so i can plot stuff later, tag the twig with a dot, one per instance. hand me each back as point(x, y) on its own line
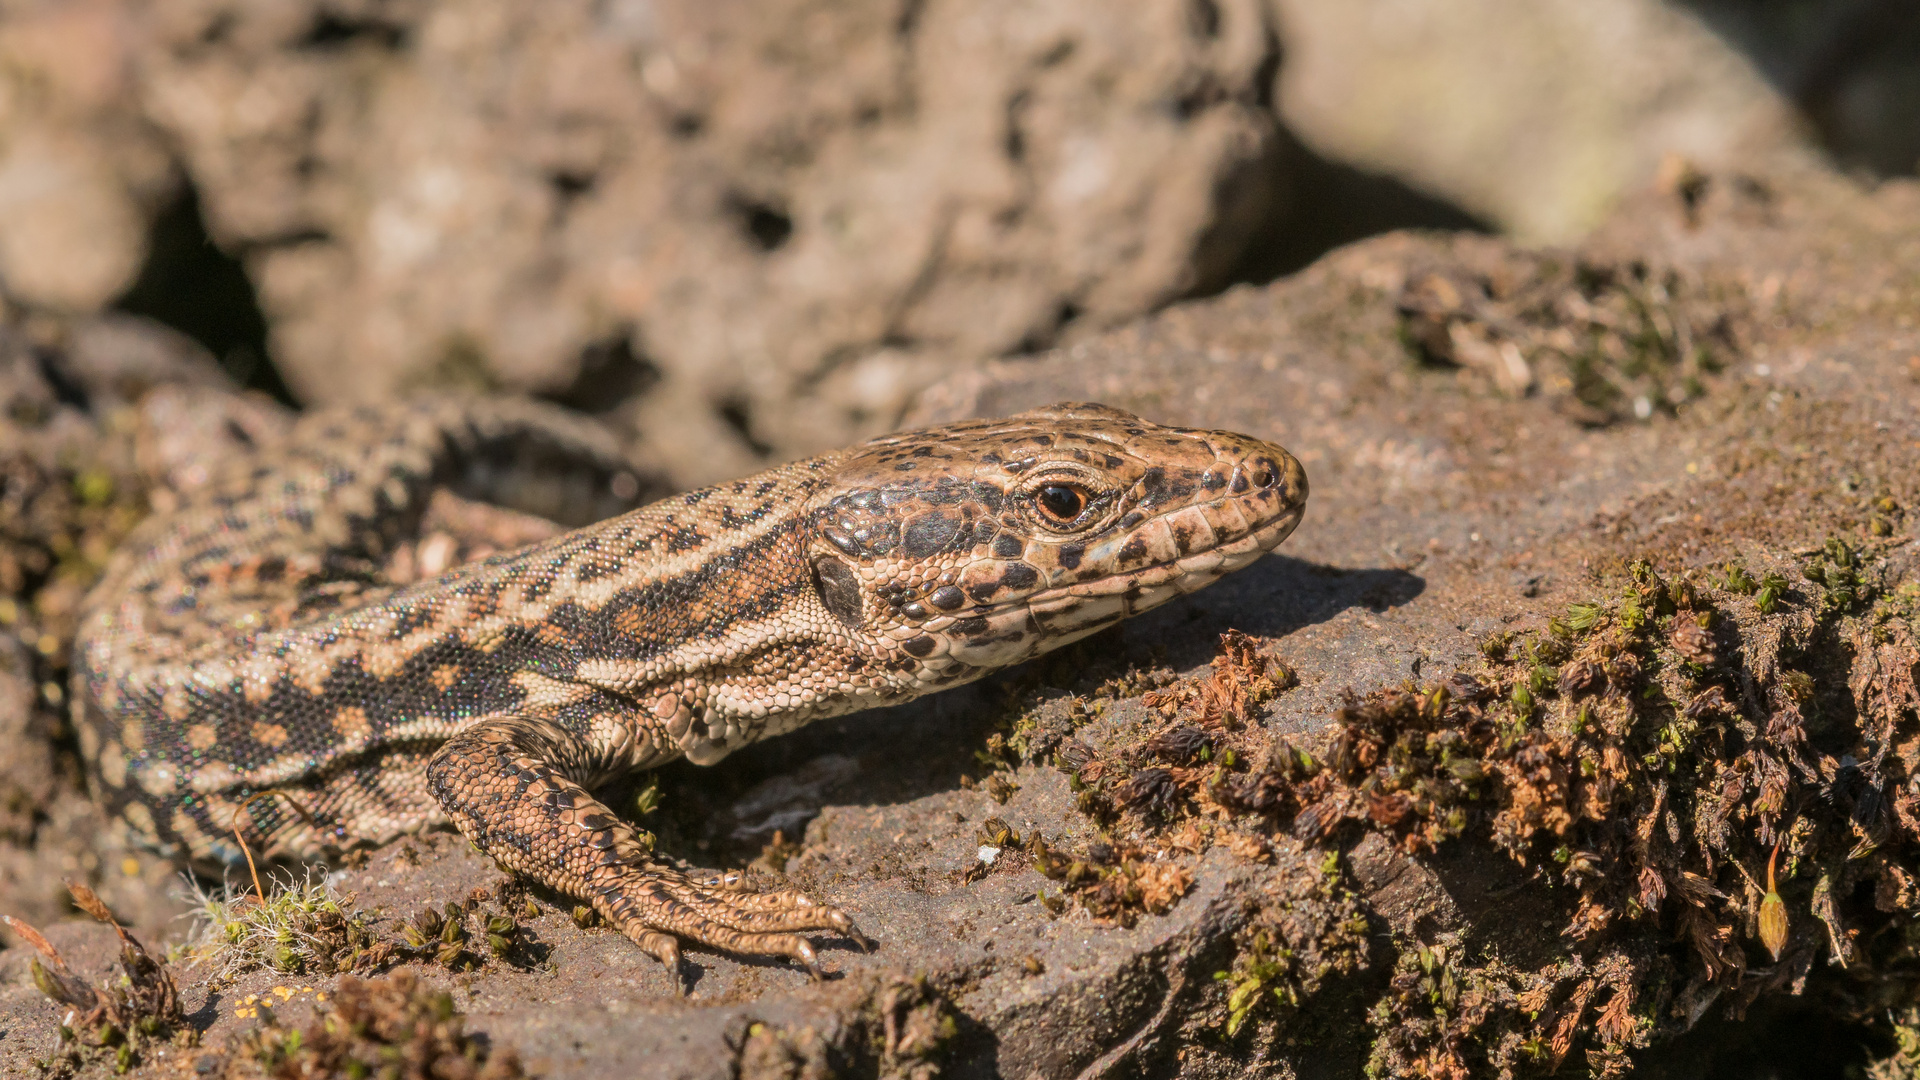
point(259, 894)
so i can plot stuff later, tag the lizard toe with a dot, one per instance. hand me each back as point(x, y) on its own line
point(779, 911)
point(662, 947)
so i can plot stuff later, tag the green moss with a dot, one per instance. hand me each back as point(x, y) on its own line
point(303, 927)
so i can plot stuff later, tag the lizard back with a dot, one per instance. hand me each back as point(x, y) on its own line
point(249, 642)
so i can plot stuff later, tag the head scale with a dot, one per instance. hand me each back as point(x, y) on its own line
point(961, 549)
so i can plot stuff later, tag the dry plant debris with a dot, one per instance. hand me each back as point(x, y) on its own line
point(1712, 776)
point(1601, 341)
point(114, 1024)
point(392, 1028)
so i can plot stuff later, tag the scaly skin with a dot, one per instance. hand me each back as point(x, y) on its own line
point(247, 643)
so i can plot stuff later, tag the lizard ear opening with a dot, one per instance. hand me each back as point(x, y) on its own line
point(839, 590)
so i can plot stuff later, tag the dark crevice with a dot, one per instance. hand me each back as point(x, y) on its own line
point(191, 285)
point(65, 390)
point(572, 185)
point(1778, 1040)
point(569, 188)
point(1043, 337)
point(1267, 77)
point(1015, 141)
point(1322, 205)
point(332, 30)
point(1851, 67)
point(766, 225)
point(611, 374)
point(1205, 18)
point(219, 28)
point(909, 18)
point(733, 410)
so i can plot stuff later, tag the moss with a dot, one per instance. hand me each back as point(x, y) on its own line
point(900, 1028)
point(468, 935)
point(116, 1025)
point(1640, 762)
point(394, 1028)
point(1303, 931)
point(303, 927)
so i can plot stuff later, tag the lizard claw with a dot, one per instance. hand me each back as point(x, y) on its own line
point(803, 955)
point(867, 944)
point(666, 949)
point(731, 882)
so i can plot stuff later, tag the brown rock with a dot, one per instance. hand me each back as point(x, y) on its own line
point(80, 173)
point(797, 213)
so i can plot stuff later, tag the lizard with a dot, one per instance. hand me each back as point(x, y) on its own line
point(246, 641)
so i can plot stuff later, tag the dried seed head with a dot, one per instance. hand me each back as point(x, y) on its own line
point(1693, 642)
point(1179, 744)
point(1151, 791)
point(1773, 924)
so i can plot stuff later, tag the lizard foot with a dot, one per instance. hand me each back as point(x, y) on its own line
point(505, 784)
point(657, 908)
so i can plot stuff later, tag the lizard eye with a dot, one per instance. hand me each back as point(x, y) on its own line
point(1060, 504)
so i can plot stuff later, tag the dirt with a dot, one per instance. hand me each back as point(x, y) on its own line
point(1481, 774)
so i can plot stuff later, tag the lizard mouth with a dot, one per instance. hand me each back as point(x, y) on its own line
point(1123, 593)
point(1019, 628)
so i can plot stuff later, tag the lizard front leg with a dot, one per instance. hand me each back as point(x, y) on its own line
point(513, 786)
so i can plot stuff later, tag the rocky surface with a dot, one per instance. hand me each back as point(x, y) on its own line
point(81, 174)
point(744, 231)
point(1062, 885)
point(790, 215)
point(1578, 103)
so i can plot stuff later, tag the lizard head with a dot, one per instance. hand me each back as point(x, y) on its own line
point(961, 549)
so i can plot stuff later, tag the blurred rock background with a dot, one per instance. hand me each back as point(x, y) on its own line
point(749, 230)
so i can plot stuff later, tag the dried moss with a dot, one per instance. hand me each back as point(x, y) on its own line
point(1641, 760)
point(1603, 341)
point(116, 1024)
point(393, 1028)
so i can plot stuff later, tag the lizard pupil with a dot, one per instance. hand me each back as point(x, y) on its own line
point(1061, 502)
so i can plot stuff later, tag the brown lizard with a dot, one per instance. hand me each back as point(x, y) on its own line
point(247, 641)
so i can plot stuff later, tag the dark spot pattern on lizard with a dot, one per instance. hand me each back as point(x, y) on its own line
point(249, 642)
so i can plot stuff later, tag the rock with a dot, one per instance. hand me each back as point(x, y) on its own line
point(1212, 927)
point(116, 359)
point(27, 780)
point(1538, 118)
point(80, 173)
point(755, 230)
point(793, 216)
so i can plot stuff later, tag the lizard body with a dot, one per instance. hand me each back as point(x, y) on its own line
point(248, 641)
